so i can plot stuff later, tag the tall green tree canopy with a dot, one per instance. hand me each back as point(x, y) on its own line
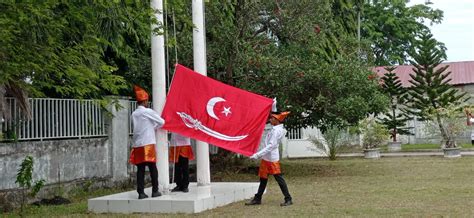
point(392, 28)
point(396, 116)
point(60, 49)
point(431, 92)
point(430, 84)
point(293, 50)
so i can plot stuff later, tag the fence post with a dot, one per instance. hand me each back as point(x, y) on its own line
point(118, 134)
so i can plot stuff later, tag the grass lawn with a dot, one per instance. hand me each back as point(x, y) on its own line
point(356, 187)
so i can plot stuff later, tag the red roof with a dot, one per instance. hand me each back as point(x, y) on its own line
point(461, 72)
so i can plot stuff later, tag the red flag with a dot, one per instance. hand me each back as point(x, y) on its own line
point(207, 110)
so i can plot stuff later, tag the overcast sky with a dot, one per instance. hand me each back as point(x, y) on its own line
point(457, 29)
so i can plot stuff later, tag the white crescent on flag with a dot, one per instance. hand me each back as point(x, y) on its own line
point(210, 106)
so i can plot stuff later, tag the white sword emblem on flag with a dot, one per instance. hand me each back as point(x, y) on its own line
point(197, 125)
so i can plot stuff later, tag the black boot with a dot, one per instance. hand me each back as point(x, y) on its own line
point(142, 196)
point(286, 203)
point(155, 194)
point(176, 189)
point(255, 201)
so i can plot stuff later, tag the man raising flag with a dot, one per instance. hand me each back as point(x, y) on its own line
point(143, 154)
point(270, 163)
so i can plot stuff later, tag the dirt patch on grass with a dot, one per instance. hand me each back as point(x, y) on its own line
point(56, 200)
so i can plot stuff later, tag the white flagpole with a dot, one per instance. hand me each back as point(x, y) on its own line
point(199, 54)
point(159, 96)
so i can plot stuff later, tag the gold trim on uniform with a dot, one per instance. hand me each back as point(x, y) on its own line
point(143, 154)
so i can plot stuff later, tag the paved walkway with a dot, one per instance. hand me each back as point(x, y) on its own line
point(407, 154)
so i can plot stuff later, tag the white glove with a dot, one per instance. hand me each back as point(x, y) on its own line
point(274, 105)
point(254, 156)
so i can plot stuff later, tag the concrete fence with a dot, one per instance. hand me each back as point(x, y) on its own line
point(63, 161)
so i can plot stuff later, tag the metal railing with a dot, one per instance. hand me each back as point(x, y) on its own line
point(54, 119)
point(296, 133)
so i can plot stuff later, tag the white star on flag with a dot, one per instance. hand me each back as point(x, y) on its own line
point(226, 111)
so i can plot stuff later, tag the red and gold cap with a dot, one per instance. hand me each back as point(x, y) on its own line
point(140, 93)
point(281, 116)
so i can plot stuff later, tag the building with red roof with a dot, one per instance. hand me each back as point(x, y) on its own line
point(462, 74)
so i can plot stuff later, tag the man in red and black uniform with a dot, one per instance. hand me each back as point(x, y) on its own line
point(180, 154)
point(145, 121)
point(270, 163)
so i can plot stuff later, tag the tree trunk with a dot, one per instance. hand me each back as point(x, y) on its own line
point(394, 134)
point(446, 138)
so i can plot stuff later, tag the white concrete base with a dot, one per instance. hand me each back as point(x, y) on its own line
point(198, 199)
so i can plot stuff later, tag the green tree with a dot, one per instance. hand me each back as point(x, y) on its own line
point(71, 49)
point(54, 50)
point(431, 91)
point(396, 117)
point(290, 50)
point(392, 28)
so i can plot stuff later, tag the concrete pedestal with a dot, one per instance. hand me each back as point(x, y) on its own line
point(198, 199)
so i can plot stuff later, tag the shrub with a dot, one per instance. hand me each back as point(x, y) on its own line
point(447, 122)
point(24, 179)
point(334, 139)
point(373, 133)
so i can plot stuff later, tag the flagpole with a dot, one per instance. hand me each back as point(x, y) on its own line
point(199, 54)
point(159, 96)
